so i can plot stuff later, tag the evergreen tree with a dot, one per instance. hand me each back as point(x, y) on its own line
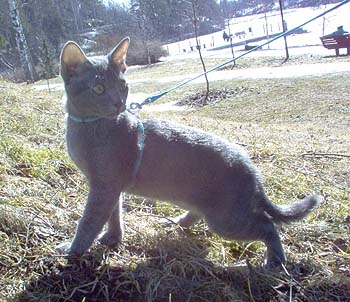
point(47, 63)
point(147, 21)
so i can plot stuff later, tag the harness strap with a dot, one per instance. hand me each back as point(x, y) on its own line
point(83, 120)
point(140, 146)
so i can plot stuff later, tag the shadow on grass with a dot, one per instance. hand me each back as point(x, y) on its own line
point(175, 270)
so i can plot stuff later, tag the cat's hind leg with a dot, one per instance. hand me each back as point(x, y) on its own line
point(251, 227)
point(274, 255)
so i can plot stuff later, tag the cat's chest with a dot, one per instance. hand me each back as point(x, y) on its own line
point(91, 148)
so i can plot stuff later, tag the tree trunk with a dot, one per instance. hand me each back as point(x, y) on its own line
point(22, 46)
point(76, 15)
point(227, 18)
point(205, 101)
point(266, 27)
point(284, 29)
point(231, 45)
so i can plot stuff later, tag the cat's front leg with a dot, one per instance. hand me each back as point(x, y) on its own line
point(100, 204)
point(114, 233)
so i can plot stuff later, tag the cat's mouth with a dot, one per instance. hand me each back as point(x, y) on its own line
point(121, 108)
point(114, 111)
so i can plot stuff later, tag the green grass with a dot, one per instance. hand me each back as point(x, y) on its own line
point(297, 132)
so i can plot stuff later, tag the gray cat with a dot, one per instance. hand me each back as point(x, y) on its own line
point(117, 152)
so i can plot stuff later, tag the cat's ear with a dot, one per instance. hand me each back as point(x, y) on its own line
point(72, 56)
point(118, 55)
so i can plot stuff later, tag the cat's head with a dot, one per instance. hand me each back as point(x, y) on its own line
point(95, 86)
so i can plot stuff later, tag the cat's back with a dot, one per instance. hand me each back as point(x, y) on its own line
point(188, 162)
point(163, 131)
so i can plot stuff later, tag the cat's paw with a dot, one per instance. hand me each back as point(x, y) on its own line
point(273, 263)
point(110, 239)
point(63, 248)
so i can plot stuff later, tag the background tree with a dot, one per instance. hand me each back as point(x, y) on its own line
point(22, 47)
point(145, 15)
point(44, 18)
point(88, 22)
point(190, 9)
point(120, 18)
point(47, 63)
point(284, 28)
point(195, 19)
point(228, 11)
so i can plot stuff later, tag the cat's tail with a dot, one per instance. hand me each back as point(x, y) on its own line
point(291, 212)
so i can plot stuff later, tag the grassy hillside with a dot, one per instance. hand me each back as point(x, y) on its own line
point(297, 132)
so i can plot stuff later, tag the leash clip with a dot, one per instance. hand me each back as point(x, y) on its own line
point(135, 106)
point(138, 106)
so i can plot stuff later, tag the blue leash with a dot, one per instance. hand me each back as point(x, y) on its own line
point(154, 97)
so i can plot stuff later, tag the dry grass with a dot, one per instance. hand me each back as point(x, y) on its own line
point(297, 131)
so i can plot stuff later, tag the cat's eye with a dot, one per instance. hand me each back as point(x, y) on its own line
point(98, 89)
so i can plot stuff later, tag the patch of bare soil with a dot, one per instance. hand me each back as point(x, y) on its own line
point(201, 98)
